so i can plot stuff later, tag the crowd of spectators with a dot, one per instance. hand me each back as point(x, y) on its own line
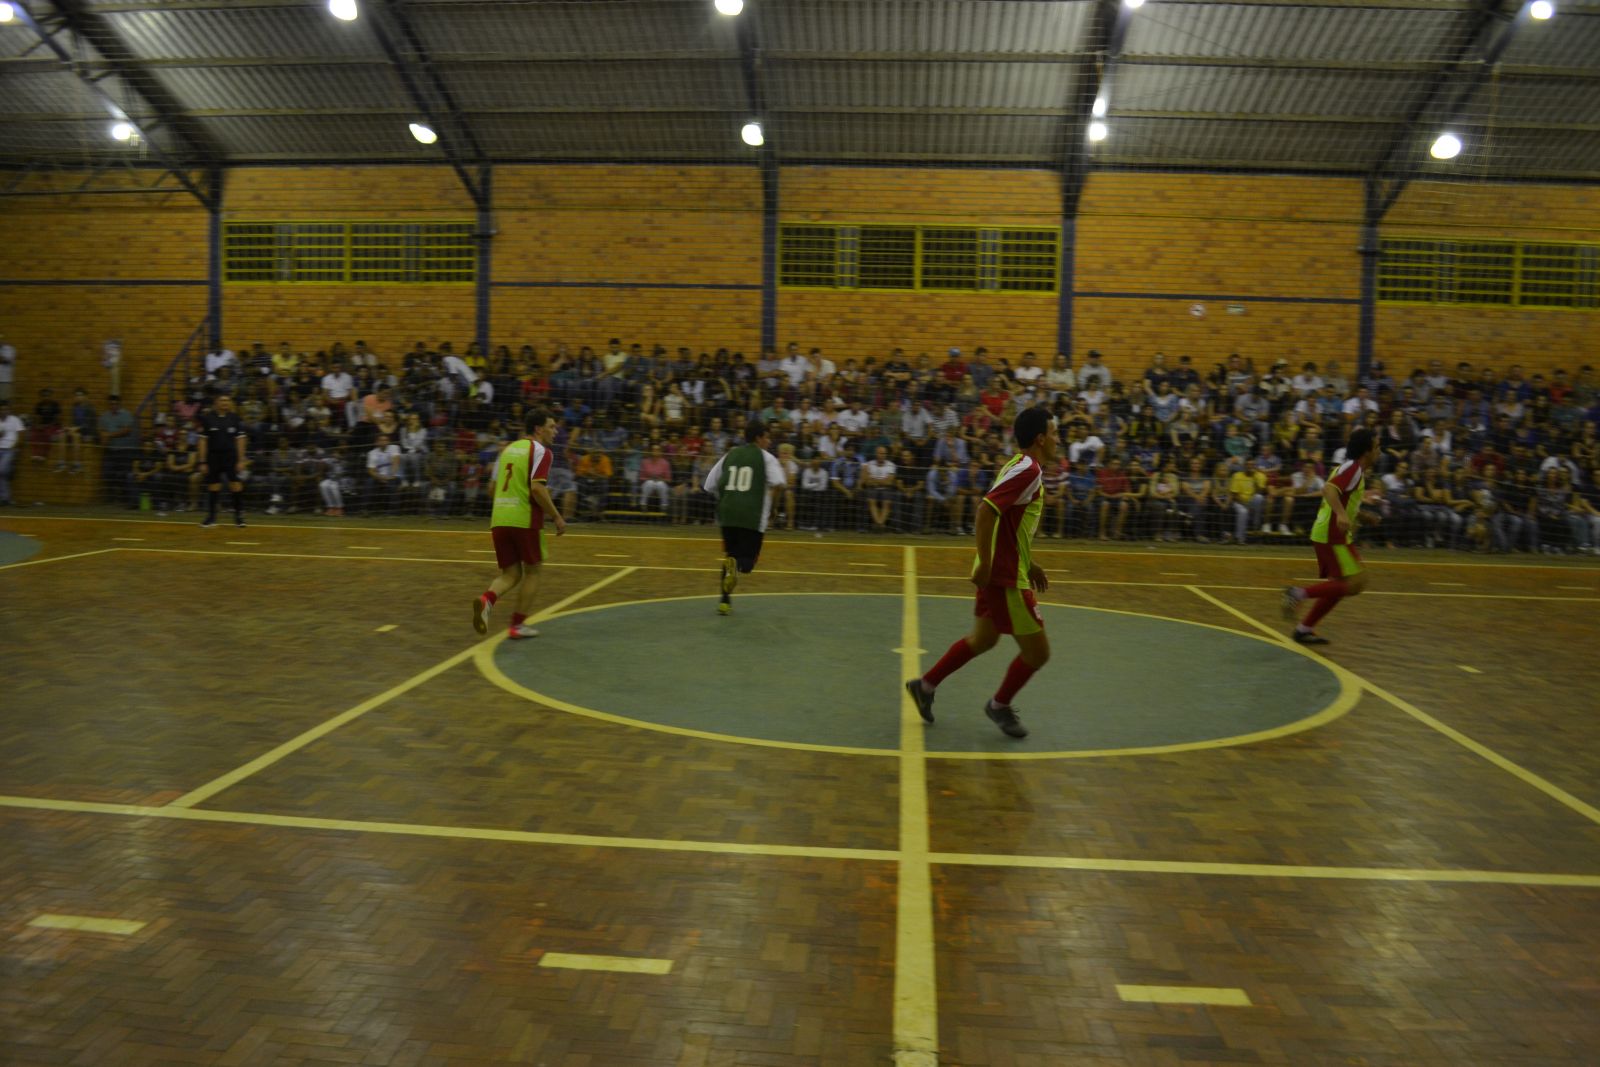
point(1471, 458)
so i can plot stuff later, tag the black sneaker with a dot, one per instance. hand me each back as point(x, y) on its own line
point(1006, 718)
point(1291, 603)
point(1306, 637)
point(922, 698)
point(208, 523)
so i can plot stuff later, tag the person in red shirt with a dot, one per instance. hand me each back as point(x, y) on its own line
point(1116, 495)
point(1006, 577)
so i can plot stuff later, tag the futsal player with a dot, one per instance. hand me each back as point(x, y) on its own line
point(743, 482)
point(521, 505)
point(1006, 577)
point(222, 456)
point(1333, 538)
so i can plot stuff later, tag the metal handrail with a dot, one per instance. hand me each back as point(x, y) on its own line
point(185, 357)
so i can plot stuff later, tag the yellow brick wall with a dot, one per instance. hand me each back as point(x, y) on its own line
point(59, 329)
point(390, 318)
point(700, 319)
point(1540, 340)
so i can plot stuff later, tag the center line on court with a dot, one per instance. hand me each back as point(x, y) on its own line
point(869, 564)
point(916, 1000)
point(127, 539)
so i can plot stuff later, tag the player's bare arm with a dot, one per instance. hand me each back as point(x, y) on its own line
point(1038, 578)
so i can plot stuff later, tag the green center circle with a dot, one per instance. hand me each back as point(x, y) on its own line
point(824, 671)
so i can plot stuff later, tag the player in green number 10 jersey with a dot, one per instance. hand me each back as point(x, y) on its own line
point(743, 482)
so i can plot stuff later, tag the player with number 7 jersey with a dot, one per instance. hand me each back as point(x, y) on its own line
point(516, 525)
point(743, 481)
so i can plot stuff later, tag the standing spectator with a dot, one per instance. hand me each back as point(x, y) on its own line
point(121, 437)
point(11, 430)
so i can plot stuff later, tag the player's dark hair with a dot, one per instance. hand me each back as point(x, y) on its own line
point(1029, 425)
point(1360, 444)
point(754, 429)
point(535, 419)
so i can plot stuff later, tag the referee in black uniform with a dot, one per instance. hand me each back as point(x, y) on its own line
point(222, 457)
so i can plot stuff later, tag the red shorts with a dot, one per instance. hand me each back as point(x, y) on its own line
point(1011, 610)
point(1337, 561)
point(517, 544)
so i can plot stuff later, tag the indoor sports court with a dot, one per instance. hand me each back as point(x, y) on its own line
point(1266, 328)
point(308, 816)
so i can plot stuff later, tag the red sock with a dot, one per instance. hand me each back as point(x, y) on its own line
point(1333, 587)
point(489, 597)
point(517, 618)
point(956, 656)
point(1319, 609)
point(1017, 676)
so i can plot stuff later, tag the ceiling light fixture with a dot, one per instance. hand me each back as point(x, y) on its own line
point(344, 10)
point(423, 133)
point(1541, 9)
point(730, 7)
point(1099, 108)
point(122, 131)
point(1134, 5)
point(751, 134)
point(7, 12)
point(1098, 131)
point(1448, 146)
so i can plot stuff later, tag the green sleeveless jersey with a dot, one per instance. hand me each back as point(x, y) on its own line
point(742, 488)
point(1351, 482)
point(521, 464)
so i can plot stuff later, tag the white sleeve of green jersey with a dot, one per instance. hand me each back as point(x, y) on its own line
point(775, 476)
point(714, 478)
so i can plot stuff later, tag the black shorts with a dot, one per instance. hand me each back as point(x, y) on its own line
point(221, 472)
point(744, 545)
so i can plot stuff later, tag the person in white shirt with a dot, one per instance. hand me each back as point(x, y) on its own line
point(831, 444)
point(11, 428)
point(1094, 371)
point(1094, 397)
point(8, 370)
point(853, 419)
point(813, 491)
point(821, 365)
point(1060, 378)
point(1308, 382)
point(1084, 450)
point(916, 422)
point(1357, 406)
point(337, 385)
point(877, 478)
point(383, 469)
point(1028, 373)
point(215, 361)
point(795, 367)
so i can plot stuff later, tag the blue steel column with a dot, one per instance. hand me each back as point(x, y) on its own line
point(483, 237)
point(214, 183)
point(1068, 281)
point(1371, 216)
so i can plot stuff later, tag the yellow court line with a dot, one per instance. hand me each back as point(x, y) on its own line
point(88, 924)
point(1267, 870)
point(1184, 994)
point(573, 961)
point(1548, 788)
point(366, 548)
point(916, 1001)
point(294, 744)
point(462, 833)
point(952, 545)
point(386, 629)
point(56, 559)
point(127, 539)
point(1469, 670)
point(738, 848)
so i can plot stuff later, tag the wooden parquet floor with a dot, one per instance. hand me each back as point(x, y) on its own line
point(393, 886)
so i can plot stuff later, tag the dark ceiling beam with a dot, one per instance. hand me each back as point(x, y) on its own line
point(1490, 30)
point(396, 11)
point(1102, 42)
point(455, 138)
point(750, 69)
point(90, 31)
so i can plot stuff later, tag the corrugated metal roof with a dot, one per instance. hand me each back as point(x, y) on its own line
point(863, 83)
point(1353, 34)
point(967, 80)
point(851, 27)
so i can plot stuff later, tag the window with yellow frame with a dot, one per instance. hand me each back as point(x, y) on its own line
point(1427, 270)
point(404, 253)
point(919, 258)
